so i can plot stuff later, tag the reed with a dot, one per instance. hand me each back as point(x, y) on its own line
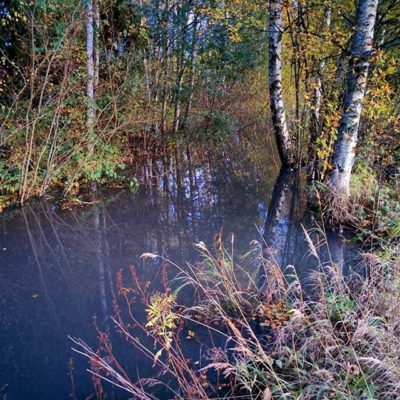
point(340, 343)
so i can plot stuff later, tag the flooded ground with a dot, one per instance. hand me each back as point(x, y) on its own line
point(58, 267)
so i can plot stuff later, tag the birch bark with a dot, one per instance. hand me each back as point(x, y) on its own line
point(356, 85)
point(275, 30)
point(90, 66)
point(96, 50)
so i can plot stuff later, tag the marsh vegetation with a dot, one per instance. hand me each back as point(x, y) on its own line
point(217, 182)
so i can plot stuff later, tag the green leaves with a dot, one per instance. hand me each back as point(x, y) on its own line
point(42, 4)
point(9, 179)
point(340, 305)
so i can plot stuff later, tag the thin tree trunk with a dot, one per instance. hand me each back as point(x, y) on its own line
point(356, 85)
point(317, 97)
point(143, 23)
point(180, 66)
point(296, 63)
point(90, 67)
point(285, 146)
point(96, 17)
point(164, 68)
point(316, 123)
point(192, 71)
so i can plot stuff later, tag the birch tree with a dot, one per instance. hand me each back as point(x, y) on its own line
point(90, 65)
point(355, 91)
point(96, 49)
point(281, 131)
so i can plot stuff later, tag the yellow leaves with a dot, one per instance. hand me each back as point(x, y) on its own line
point(16, 15)
point(217, 13)
point(324, 144)
point(233, 14)
point(161, 318)
point(234, 33)
point(225, 15)
point(378, 104)
point(374, 58)
point(326, 165)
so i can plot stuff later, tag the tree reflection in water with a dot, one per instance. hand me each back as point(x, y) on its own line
point(58, 268)
point(284, 236)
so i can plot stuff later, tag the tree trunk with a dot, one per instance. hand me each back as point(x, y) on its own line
point(316, 121)
point(192, 72)
point(317, 95)
point(164, 69)
point(90, 67)
point(285, 146)
point(96, 57)
point(356, 85)
point(182, 17)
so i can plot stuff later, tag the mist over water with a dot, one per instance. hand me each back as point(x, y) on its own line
point(58, 267)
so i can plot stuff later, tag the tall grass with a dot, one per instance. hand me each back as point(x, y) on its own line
point(343, 343)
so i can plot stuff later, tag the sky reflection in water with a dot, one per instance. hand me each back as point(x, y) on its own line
point(58, 268)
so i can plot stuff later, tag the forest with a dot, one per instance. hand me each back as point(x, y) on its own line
point(217, 181)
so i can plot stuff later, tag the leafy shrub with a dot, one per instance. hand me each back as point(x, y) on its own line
point(364, 183)
point(9, 179)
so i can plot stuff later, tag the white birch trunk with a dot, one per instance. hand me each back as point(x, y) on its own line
point(285, 146)
point(90, 67)
point(192, 69)
point(356, 85)
point(96, 16)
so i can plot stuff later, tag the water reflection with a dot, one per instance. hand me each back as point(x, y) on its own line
point(285, 243)
point(277, 230)
point(58, 268)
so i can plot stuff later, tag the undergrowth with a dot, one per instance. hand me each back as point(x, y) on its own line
point(371, 213)
point(343, 343)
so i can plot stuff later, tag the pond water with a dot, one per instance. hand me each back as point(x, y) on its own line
point(58, 267)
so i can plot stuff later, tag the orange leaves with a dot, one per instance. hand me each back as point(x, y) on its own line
point(273, 315)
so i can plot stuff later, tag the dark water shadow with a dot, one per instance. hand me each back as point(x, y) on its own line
point(292, 237)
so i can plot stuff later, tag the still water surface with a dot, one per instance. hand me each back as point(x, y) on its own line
point(58, 267)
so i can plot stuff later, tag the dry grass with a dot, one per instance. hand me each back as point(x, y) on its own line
point(343, 344)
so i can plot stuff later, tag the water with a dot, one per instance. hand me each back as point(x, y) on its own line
point(58, 267)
